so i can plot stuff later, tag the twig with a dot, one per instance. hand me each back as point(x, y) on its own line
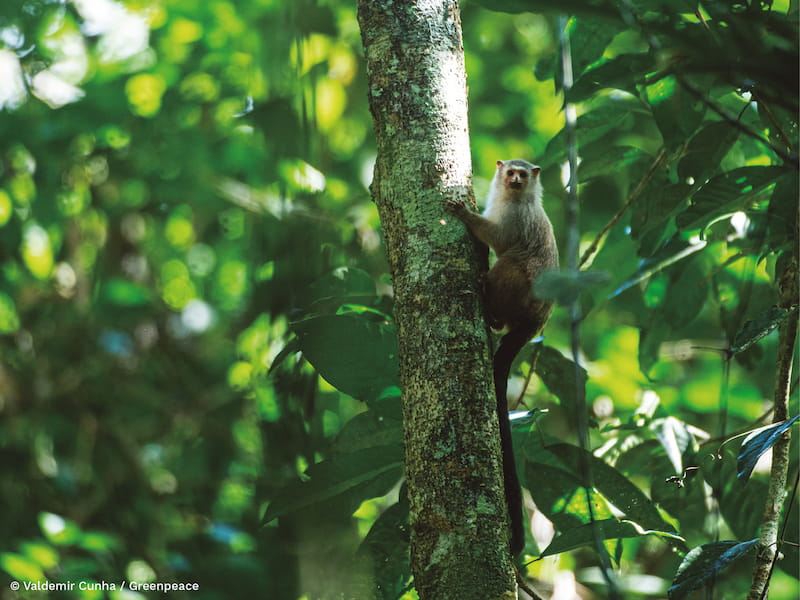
point(529, 376)
point(573, 225)
point(787, 157)
point(659, 160)
point(525, 587)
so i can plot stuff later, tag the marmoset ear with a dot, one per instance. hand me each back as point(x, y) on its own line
point(536, 170)
point(499, 163)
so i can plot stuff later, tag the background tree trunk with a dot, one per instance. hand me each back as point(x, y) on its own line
point(418, 98)
point(768, 543)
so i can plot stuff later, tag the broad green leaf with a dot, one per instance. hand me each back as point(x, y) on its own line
point(726, 193)
point(386, 549)
point(677, 112)
point(356, 355)
point(369, 429)
point(650, 340)
point(608, 529)
point(686, 293)
point(42, 553)
point(615, 487)
point(593, 126)
point(760, 326)
point(782, 213)
point(706, 150)
point(564, 287)
point(674, 437)
point(588, 40)
point(683, 300)
point(560, 495)
point(21, 568)
point(658, 202)
point(741, 505)
point(758, 442)
point(622, 72)
point(343, 481)
point(598, 160)
point(704, 563)
point(345, 282)
point(559, 375)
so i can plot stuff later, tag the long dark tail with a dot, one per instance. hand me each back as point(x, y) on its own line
point(510, 345)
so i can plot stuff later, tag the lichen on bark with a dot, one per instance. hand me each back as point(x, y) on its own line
point(418, 100)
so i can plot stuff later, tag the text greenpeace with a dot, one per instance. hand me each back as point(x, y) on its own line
point(134, 586)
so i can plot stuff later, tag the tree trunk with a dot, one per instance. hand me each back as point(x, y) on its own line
point(418, 99)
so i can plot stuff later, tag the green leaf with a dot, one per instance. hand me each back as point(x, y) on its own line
point(343, 481)
point(726, 193)
point(41, 553)
point(369, 429)
point(122, 292)
point(741, 505)
point(622, 72)
point(598, 160)
point(686, 293)
point(560, 495)
point(659, 201)
point(386, 549)
point(609, 529)
point(650, 340)
point(588, 40)
point(615, 487)
point(58, 530)
point(677, 112)
point(593, 126)
point(758, 442)
point(9, 319)
point(545, 6)
point(703, 563)
point(760, 326)
point(706, 150)
point(356, 355)
point(21, 567)
point(559, 375)
point(782, 213)
point(674, 437)
point(344, 283)
point(564, 287)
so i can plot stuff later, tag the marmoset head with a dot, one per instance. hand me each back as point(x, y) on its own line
point(515, 176)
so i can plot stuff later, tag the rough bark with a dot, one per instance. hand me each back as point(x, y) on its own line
point(767, 545)
point(418, 99)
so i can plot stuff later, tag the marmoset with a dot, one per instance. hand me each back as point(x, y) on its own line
point(514, 225)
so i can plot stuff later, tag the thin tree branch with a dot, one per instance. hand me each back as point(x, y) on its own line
point(766, 549)
point(573, 224)
point(788, 157)
point(591, 250)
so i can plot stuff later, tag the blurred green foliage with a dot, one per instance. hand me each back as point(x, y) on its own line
point(198, 376)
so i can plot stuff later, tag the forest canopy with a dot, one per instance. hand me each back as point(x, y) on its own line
point(199, 379)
